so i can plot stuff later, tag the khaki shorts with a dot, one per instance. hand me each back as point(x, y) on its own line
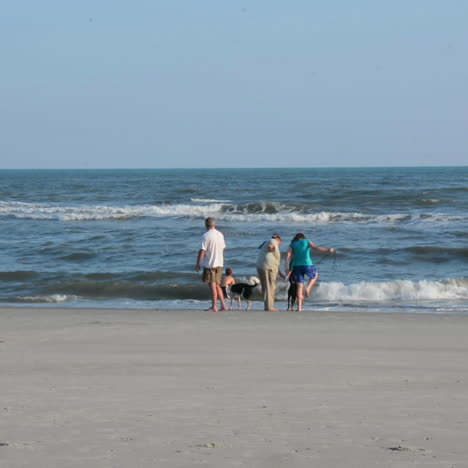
point(212, 275)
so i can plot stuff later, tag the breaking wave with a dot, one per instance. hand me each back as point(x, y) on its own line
point(53, 298)
point(400, 290)
point(198, 208)
point(156, 286)
point(102, 212)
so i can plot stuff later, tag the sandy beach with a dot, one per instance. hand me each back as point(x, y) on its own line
point(185, 388)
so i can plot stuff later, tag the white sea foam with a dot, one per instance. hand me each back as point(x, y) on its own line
point(102, 212)
point(52, 298)
point(401, 290)
point(432, 201)
point(260, 212)
point(208, 200)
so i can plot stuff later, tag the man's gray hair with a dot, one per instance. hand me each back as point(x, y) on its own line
point(209, 222)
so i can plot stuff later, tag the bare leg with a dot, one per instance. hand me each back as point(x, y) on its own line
point(300, 296)
point(221, 297)
point(311, 285)
point(214, 297)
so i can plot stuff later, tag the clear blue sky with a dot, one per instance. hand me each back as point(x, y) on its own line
point(147, 83)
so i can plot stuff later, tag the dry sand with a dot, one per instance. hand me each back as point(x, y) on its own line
point(181, 388)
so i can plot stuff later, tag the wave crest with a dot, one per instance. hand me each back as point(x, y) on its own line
point(48, 299)
point(400, 290)
point(261, 211)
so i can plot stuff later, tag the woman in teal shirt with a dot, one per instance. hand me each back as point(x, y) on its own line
point(299, 263)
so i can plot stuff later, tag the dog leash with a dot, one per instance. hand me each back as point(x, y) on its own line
point(325, 256)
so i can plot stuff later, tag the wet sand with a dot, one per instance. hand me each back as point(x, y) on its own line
point(184, 388)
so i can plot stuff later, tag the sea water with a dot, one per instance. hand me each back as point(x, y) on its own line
point(129, 238)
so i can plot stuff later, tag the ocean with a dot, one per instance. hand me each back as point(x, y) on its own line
point(129, 238)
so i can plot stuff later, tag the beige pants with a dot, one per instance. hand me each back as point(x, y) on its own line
point(268, 282)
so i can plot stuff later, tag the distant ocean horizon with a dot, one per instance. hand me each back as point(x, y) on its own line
point(129, 237)
point(227, 168)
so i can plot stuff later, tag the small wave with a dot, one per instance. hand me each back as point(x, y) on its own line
point(434, 253)
point(400, 290)
point(452, 309)
point(429, 201)
point(105, 290)
point(208, 200)
point(325, 217)
point(52, 298)
point(78, 256)
point(7, 276)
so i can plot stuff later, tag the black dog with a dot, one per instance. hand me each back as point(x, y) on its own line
point(243, 291)
point(292, 293)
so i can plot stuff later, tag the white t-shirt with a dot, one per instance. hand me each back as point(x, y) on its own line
point(213, 244)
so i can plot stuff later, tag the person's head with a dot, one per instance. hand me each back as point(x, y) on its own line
point(277, 237)
point(298, 236)
point(210, 223)
point(228, 271)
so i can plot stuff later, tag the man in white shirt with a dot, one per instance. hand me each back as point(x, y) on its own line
point(211, 258)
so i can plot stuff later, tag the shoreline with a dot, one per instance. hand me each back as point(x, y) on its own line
point(256, 308)
point(87, 387)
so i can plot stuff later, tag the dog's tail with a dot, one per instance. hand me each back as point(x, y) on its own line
point(254, 281)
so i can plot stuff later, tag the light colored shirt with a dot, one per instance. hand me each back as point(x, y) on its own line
point(213, 244)
point(269, 259)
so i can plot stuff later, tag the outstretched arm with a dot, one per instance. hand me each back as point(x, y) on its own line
point(321, 249)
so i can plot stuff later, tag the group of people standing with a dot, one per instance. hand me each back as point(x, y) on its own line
point(298, 264)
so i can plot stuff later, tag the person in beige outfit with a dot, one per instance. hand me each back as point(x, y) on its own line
point(268, 267)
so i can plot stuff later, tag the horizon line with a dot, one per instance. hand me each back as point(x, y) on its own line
point(223, 168)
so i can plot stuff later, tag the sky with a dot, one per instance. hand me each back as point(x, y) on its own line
point(266, 83)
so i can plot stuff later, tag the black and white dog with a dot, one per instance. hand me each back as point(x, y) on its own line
point(244, 291)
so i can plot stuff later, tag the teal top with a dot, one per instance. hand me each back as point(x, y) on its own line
point(301, 253)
